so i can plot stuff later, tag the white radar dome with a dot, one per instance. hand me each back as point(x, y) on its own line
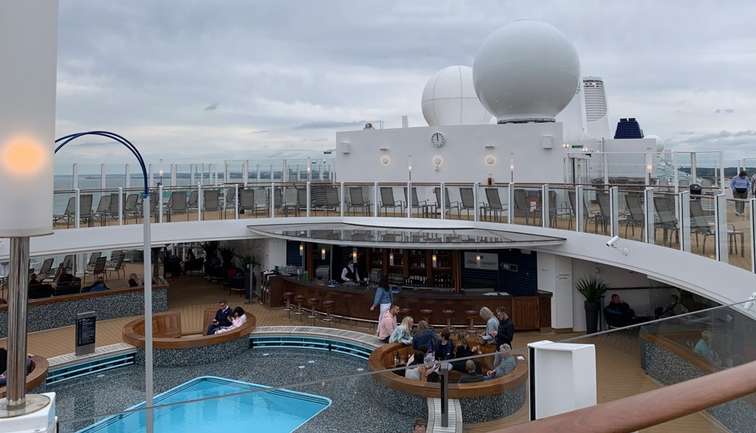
point(449, 99)
point(526, 71)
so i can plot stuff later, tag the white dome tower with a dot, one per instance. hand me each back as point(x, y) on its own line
point(526, 71)
point(449, 99)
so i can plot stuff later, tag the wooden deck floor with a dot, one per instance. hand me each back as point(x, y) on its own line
point(619, 372)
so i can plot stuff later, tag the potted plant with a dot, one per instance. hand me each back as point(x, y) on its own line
point(592, 290)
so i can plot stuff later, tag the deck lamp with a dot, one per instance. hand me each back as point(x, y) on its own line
point(354, 255)
point(301, 249)
point(28, 54)
point(391, 258)
point(322, 254)
point(434, 259)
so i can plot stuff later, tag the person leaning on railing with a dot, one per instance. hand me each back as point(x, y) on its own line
point(740, 186)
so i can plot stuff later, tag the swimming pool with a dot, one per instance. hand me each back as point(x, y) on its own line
point(274, 411)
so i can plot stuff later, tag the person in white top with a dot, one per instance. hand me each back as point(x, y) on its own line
point(238, 319)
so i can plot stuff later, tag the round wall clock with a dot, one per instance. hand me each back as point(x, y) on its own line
point(438, 140)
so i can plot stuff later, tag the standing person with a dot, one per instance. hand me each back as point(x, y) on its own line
point(492, 325)
point(222, 317)
point(387, 323)
point(505, 332)
point(740, 186)
point(383, 297)
point(350, 273)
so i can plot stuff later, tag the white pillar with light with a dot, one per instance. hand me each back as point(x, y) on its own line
point(28, 53)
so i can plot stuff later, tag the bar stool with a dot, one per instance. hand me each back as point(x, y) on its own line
point(313, 303)
point(471, 315)
point(328, 310)
point(449, 314)
point(299, 299)
point(288, 296)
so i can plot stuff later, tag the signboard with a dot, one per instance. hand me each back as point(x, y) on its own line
point(85, 332)
point(485, 261)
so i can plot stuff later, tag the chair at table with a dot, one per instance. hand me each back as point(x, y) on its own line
point(388, 201)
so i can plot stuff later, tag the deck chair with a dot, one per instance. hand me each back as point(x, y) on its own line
point(332, 199)
point(604, 216)
point(522, 205)
point(701, 223)
point(68, 214)
point(229, 199)
point(421, 206)
point(115, 264)
point(448, 204)
point(177, 204)
point(467, 199)
point(99, 267)
point(247, 201)
point(68, 263)
point(290, 201)
point(92, 261)
point(191, 204)
point(664, 208)
point(45, 270)
point(587, 214)
point(494, 207)
point(85, 208)
point(634, 217)
point(210, 200)
point(103, 209)
point(131, 207)
point(357, 201)
point(388, 201)
point(113, 209)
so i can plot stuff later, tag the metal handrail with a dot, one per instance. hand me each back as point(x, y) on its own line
point(650, 408)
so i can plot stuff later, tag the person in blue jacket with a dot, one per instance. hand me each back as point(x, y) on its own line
point(383, 298)
point(740, 186)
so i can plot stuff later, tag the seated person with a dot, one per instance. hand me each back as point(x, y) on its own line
point(419, 426)
point(4, 366)
point(425, 337)
point(134, 280)
point(504, 362)
point(445, 349)
point(492, 325)
point(238, 319)
point(67, 283)
point(471, 374)
point(463, 350)
point(418, 368)
point(618, 313)
point(39, 290)
point(703, 348)
point(403, 332)
point(222, 318)
point(674, 309)
point(387, 324)
point(97, 286)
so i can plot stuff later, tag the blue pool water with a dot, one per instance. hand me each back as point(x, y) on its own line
point(263, 411)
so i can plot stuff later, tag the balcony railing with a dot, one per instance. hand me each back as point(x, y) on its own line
point(710, 224)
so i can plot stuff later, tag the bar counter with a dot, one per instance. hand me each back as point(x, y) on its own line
point(527, 312)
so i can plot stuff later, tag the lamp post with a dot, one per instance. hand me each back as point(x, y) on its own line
point(28, 53)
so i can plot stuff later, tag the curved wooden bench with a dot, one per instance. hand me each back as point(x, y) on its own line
point(167, 333)
point(382, 358)
point(36, 377)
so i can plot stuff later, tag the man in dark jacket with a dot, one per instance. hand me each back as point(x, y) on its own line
point(505, 333)
point(221, 317)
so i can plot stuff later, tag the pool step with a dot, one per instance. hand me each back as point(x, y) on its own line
point(70, 366)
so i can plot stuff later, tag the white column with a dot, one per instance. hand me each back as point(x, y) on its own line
point(720, 227)
point(510, 204)
point(614, 211)
point(127, 181)
point(684, 220)
point(309, 198)
point(77, 201)
point(160, 203)
point(199, 201)
point(649, 234)
point(173, 175)
point(236, 201)
point(245, 172)
point(693, 167)
point(120, 206)
point(273, 199)
point(103, 174)
point(342, 199)
point(579, 209)
point(545, 211)
point(375, 199)
point(75, 181)
point(442, 196)
point(476, 203)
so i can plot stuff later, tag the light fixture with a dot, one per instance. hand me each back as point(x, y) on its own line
point(301, 250)
point(354, 255)
point(391, 258)
point(477, 259)
point(322, 254)
point(434, 259)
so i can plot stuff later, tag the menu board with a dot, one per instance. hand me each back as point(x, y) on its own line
point(85, 332)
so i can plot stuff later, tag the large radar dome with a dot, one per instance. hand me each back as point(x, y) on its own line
point(526, 71)
point(449, 99)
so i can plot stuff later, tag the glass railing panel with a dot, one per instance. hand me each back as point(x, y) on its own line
point(526, 208)
point(631, 213)
point(391, 199)
point(64, 209)
point(359, 199)
point(493, 203)
point(212, 203)
point(235, 172)
point(324, 199)
point(596, 210)
point(179, 203)
point(459, 201)
point(293, 199)
point(666, 222)
point(645, 347)
point(423, 203)
point(739, 233)
point(253, 200)
point(562, 215)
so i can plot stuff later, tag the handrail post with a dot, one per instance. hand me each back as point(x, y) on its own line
point(545, 211)
point(225, 171)
point(120, 206)
point(579, 217)
point(720, 227)
point(444, 370)
point(126, 177)
point(409, 199)
point(160, 203)
point(649, 232)
point(476, 205)
point(273, 199)
point(173, 174)
point(309, 194)
point(199, 201)
point(684, 220)
point(245, 172)
point(77, 211)
point(75, 173)
point(375, 199)
point(342, 199)
point(614, 211)
point(442, 197)
point(510, 203)
point(236, 201)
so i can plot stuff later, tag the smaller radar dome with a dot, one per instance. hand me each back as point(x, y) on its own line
point(526, 71)
point(449, 99)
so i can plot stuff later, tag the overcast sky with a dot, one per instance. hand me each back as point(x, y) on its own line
point(233, 79)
